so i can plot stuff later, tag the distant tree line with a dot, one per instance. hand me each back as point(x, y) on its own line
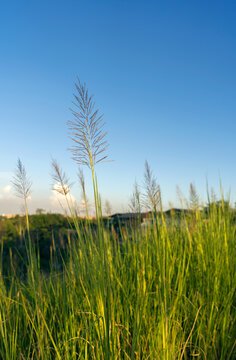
point(49, 234)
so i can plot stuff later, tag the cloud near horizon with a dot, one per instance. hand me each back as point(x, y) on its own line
point(6, 192)
point(57, 198)
point(6, 189)
point(58, 201)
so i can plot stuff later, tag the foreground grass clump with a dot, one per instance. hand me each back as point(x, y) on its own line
point(166, 293)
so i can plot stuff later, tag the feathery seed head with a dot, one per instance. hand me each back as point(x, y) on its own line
point(62, 184)
point(21, 183)
point(86, 129)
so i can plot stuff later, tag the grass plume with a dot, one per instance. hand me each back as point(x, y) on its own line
point(152, 196)
point(87, 129)
point(22, 185)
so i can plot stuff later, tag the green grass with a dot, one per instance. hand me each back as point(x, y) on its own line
point(166, 293)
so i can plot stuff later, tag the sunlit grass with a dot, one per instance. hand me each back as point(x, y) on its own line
point(170, 294)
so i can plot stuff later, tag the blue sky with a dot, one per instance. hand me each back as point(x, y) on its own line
point(162, 72)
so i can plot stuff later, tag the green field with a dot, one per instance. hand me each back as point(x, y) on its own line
point(164, 293)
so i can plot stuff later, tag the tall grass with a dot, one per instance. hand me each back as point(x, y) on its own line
point(170, 295)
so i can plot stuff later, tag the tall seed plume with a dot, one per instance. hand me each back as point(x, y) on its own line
point(152, 196)
point(21, 183)
point(62, 185)
point(86, 129)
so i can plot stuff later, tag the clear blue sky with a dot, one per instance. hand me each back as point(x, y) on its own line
point(163, 73)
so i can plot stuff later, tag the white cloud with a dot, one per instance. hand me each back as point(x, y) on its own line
point(58, 188)
point(7, 192)
point(55, 198)
point(58, 200)
point(7, 189)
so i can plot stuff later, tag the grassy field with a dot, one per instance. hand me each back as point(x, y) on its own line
point(166, 293)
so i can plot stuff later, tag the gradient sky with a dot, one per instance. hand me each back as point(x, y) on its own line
point(162, 72)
